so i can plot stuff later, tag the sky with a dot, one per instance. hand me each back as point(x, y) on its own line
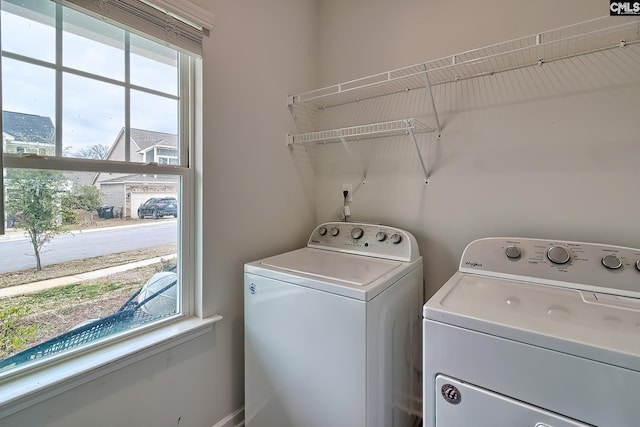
point(93, 111)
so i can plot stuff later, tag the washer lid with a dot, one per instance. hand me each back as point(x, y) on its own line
point(587, 324)
point(355, 276)
point(325, 265)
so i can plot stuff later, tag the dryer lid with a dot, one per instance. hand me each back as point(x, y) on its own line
point(583, 323)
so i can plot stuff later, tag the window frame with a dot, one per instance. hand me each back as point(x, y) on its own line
point(59, 373)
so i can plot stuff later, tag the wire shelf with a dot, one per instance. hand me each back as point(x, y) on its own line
point(373, 130)
point(596, 35)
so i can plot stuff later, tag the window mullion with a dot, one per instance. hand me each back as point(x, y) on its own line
point(185, 109)
point(1, 151)
point(127, 97)
point(58, 90)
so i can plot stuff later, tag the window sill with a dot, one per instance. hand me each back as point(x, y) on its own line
point(37, 385)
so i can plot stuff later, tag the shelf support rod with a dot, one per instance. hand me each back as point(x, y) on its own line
point(353, 159)
point(433, 102)
point(415, 142)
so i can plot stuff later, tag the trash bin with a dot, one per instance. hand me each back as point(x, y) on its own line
point(105, 212)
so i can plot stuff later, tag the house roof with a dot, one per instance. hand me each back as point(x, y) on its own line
point(145, 139)
point(81, 178)
point(28, 127)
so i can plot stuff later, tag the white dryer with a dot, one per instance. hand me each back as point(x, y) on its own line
point(535, 333)
point(332, 331)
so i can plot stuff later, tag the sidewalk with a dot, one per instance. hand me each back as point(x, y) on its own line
point(69, 280)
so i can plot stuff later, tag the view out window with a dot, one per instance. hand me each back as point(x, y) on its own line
point(93, 237)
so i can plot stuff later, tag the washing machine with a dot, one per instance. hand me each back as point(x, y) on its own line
point(532, 332)
point(333, 331)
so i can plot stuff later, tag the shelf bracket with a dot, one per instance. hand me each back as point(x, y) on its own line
point(415, 142)
point(433, 102)
point(353, 159)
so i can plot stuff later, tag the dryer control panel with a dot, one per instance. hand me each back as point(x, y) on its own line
point(594, 267)
point(372, 240)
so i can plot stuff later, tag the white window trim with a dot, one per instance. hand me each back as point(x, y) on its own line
point(38, 385)
point(41, 380)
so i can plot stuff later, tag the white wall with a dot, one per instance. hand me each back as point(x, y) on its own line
point(546, 152)
point(363, 37)
point(257, 201)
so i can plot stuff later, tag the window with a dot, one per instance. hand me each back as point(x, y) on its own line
point(93, 114)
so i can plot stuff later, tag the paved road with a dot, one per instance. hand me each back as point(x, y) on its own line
point(17, 254)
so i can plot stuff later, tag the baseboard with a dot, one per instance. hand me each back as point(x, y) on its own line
point(235, 419)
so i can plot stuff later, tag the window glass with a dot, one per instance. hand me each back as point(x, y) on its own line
point(121, 275)
point(112, 231)
point(154, 120)
point(89, 121)
point(153, 66)
point(153, 112)
point(28, 108)
point(28, 28)
point(92, 45)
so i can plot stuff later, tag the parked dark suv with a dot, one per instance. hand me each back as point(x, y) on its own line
point(159, 207)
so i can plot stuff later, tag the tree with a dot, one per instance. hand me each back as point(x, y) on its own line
point(35, 198)
point(96, 151)
point(85, 197)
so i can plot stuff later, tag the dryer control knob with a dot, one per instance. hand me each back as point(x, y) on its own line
point(334, 231)
point(512, 252)
point(638, 265)
point(395, 238)
point(558, 255)
point(322, 231)
point(612, 262)
point(381, 236)
point(357, 233)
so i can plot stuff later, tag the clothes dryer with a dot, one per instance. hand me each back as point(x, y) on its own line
point(535, 333)
point(332, 331)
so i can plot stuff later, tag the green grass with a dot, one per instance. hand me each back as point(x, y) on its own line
point(77, 292)
point(54, 311)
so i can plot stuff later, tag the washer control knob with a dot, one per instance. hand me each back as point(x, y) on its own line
point(334, 231)
point(612, 262)
point(381, 236)
point(558, 255)
point(395, 238)
point(322, 231)
point(638, 265)
point(357, 233)
point(512, 252)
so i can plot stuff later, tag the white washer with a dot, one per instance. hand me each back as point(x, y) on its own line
point(535, 333)
point(332, 331)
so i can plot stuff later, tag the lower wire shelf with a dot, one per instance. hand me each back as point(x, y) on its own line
point(374, 130)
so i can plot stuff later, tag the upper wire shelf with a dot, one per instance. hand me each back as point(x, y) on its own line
point(373, 130)
point(587, 37)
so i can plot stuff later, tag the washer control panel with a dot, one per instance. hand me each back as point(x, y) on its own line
point(373, 240)
point(595, 267)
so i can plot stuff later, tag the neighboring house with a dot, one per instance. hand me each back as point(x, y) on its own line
point(27, 133)
point(127, 192)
